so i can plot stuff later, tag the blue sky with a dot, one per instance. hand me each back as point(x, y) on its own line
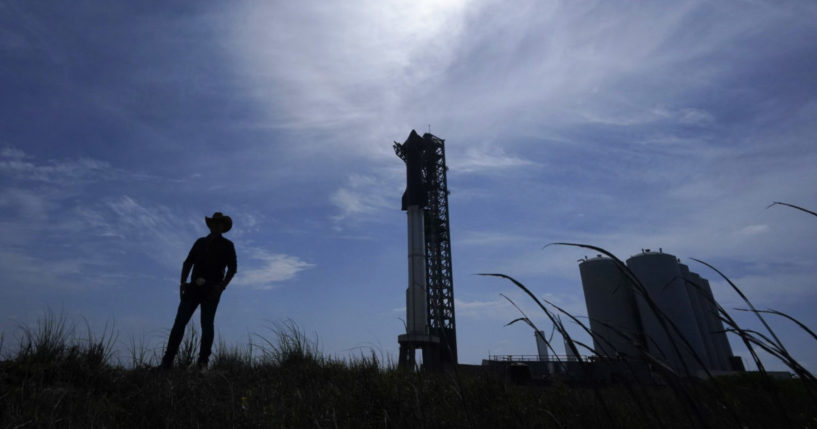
point(629, 125)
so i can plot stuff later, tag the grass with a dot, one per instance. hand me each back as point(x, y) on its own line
point(57, 378)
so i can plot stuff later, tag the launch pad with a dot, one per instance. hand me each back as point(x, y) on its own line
point(430, 324)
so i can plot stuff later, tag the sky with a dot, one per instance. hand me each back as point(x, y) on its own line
point(626, 125)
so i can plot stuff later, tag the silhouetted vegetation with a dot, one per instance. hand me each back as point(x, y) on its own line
point(58, 379)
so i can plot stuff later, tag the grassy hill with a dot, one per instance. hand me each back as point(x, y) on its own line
point(56, 380)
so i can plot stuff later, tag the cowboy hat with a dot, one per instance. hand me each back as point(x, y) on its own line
point(219, 217)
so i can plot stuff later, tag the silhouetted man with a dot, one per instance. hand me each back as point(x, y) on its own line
point(208, 258)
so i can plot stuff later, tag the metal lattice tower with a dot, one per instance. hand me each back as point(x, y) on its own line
point(439, 279)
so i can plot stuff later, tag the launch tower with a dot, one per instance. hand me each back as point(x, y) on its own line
point(430, 322)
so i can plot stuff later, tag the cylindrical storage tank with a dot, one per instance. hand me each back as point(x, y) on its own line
point(571, 355)
point(541, 345)
point(696, 298)
point(611, 307)
point(708, 315)
point(661, 277)
point(716, 327)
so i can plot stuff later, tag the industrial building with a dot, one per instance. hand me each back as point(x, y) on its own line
point(648, 315)
point(667, 314)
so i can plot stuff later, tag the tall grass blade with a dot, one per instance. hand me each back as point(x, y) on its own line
point(745, 299)
point(100, 350)
point(530, 323)
point(570, 342)
point(536, 300)
point(781, 314)
point(778, 203)
point(771, 347)
point(138, 351)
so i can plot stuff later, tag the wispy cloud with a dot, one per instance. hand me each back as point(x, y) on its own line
point(353, 65)
point(8, 152)
point(362, 195)
point(154, 230)
point(352, 71)
point(15, 164)
point(500, 309)
point(27, 203)
point(22, 271)
point(476, 161)
point(264, 269)
point(54, 172)
point(49, 206)
point(493, 238)
point(754, 229)
point(496, 309)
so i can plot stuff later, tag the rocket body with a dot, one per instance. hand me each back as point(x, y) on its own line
point(414, 202)
point(415, 194)
point(416, 313)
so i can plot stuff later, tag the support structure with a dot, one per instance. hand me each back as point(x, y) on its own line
point(430, 280)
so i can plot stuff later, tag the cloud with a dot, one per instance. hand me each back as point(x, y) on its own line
point(691, 116)
point(754, 229)
point(25, 203)
point(494, 81)
point(349, 64)
point(496, 309)
point(475, 161)
point(53, 225)
point(142, 219)
point(8, 152)
point(64, 227)
point(492, 238)
point(323, 71)
point(150, 229)
point(15, 164)
point(362, 195)
point(22, 271)
point(769, 288)
point(55, 172)
point(349, 202)
point(500, 308)
point(266, 269)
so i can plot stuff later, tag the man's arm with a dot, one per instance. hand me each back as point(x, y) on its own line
point(188, 263)
point(232, 266)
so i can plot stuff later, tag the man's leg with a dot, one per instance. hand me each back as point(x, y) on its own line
point(208, 317)
point(185, 311)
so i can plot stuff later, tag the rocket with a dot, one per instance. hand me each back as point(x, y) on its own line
point(412, 154)
point(414, 202)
